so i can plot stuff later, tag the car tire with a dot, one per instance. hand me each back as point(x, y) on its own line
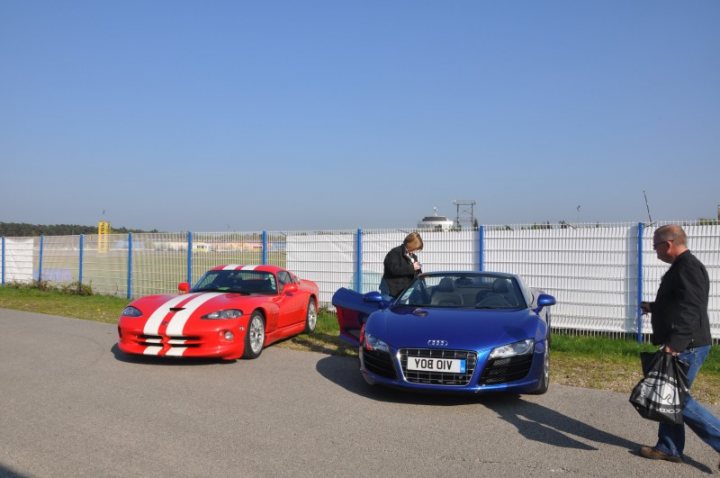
point(255, 336)
point(311, 317)
point(545, 380)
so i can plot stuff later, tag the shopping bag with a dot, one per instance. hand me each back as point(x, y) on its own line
point(646, 360)
point(662, 393)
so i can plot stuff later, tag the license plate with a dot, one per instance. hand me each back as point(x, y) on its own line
point(436, 365)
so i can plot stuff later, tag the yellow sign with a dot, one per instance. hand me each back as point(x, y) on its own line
point(103, 233)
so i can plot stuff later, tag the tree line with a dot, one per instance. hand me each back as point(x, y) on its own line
point(22, 229)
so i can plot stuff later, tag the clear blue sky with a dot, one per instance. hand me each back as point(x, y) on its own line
point(294, 115)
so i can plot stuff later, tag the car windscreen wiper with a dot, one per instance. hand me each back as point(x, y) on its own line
point(494, 307)
point(221, 289)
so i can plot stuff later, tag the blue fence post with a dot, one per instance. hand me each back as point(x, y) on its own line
point(481, 248)
point(358, 261)
point(2, 272)
point(264, 247)
point(639, 281)
point(80, 262)
point(129, 276)
point(40, 258)
point(189, 257)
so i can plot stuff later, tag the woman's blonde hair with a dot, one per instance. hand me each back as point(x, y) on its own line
point(414, 241)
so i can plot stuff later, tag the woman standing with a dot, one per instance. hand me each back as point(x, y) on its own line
point(401, 265)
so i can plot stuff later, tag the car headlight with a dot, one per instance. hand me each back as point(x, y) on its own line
point(523, 347)
point(224, 314)
point(131, 311)
point(374, 343)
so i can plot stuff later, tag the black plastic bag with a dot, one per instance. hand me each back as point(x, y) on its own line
point(662, 393)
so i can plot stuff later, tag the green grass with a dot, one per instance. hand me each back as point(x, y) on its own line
point(100, 308)
point(618, 350)
point(591, 362)
point(614, 364)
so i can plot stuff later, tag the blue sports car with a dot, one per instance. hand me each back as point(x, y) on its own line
point(469, 332)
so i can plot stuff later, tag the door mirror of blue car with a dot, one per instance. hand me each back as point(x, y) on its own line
point(375, 297)
point(544, 300)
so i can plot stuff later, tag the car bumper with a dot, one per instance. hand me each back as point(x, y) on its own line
point(213, 341)
point(478, 382)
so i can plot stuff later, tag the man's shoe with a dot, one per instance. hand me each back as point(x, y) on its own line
point(655, 454)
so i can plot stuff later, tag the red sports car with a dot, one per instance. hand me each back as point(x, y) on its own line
point(233, 311)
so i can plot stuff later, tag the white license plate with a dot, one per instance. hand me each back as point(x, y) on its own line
point(436, 365)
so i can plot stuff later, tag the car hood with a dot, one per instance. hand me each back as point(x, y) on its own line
point(178, 312)
point(194, 301)
point(405, 326)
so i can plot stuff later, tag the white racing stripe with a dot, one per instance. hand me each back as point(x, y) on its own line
point(231, 267)
point(175, 352)
point(152, 326)
point(177, 323)
point(250, 268)
point(152, 350)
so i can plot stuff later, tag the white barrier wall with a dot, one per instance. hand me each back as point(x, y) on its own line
point(325, 258)
point(19, 257)
point(592, 272)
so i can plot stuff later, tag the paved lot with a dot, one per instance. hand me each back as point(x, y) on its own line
point(72, 405)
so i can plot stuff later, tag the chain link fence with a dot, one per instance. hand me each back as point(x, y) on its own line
point(598, 273)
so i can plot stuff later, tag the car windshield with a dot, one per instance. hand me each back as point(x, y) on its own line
point(464, 290)
point(241, 282)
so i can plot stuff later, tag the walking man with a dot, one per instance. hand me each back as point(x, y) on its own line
point(681, 326)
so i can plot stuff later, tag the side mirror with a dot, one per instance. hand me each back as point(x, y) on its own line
point(184, 287)
point(544, 300)
point(291, 287)
point(375, 297)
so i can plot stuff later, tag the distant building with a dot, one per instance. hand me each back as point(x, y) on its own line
point(436, 222)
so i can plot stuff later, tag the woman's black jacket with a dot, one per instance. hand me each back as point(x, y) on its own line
point(398, 270)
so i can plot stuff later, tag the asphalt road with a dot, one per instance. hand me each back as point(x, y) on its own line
point(71, 405)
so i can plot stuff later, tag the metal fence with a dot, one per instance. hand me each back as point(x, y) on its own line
point(598, 273)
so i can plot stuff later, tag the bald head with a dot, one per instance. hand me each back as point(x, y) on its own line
point(669, 242)
point(671, 232)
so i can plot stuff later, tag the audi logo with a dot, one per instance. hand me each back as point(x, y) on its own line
point(437, 343)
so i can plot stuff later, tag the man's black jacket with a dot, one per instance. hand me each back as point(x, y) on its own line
point(679, 313)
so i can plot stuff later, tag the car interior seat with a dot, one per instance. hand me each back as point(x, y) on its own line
point(444, 294)
point(501, 295)
point(467, 289)
point(500, 286)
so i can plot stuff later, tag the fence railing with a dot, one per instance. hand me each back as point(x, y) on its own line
point(598, 273)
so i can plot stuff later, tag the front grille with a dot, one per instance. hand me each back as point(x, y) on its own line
point(506, 369)
point(188, 341)
point(439, 378)
point(379, 363)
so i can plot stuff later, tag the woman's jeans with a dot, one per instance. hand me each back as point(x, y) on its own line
point(671, 438)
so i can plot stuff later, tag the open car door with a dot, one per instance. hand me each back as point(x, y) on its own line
point(352, 310)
